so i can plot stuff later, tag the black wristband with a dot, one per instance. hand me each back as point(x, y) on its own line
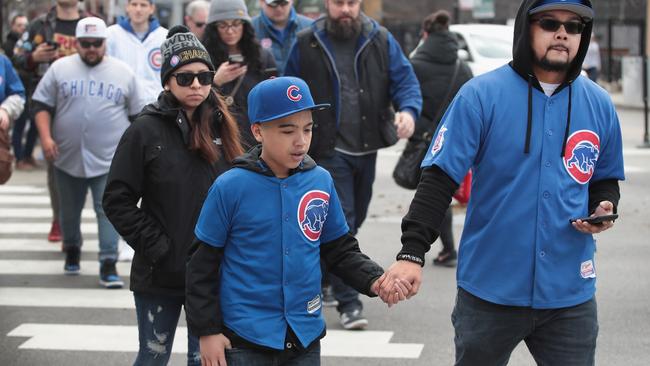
point(410, 258)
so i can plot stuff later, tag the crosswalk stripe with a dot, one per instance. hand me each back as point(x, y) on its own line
point(53, 267)
point(40, 245)
point(25, 200)
point(123, 338)
point(36, 213)
point(16, 228)
point(9, 189)
point(66, 297)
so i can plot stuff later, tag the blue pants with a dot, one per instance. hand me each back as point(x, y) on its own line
point(23, 151)
point(157, 320)
point(353, 178)
point(487, 333)
point(72, 196)
point(250, 357)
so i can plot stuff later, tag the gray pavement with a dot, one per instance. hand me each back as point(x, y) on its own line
point(623, 263)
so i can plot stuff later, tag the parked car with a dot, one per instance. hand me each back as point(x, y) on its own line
point(484, 47)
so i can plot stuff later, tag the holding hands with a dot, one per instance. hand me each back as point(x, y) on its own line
point(400, 282)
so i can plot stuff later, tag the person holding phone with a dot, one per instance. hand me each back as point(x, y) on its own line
point(240, 60)
point(544, 144)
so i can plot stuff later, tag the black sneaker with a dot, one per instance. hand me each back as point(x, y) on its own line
point(446, 259)
point(108, 275)
point(353, 320)
point(72, 257)
point(328, 299)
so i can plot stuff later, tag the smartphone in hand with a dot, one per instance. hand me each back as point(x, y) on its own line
point(596, 219)
point(236, 59)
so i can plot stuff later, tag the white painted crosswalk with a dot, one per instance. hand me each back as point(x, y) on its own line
point(25, 218)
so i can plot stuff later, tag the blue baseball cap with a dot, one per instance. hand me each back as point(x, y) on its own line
point(279, 97)
point(581, 7)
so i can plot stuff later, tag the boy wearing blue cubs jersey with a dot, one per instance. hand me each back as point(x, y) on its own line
point(253, 291)
point(544, 144)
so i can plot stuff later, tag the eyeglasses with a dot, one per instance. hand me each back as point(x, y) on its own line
point(552, 25)
point(223, 26)
point(275, 4)
point(199, 24)
point(87, 44)
point(187, 78)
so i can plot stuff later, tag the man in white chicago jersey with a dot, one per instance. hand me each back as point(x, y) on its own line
point(136, 39)
point(82, 107)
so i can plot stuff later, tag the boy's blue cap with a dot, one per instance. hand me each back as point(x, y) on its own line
point(581, 7)
point(279, 97)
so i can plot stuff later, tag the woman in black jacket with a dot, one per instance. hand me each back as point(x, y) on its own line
point(169, 158)
point(240, 60)
point(434, 64)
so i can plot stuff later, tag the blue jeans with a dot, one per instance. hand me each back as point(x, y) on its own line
point(72, 197)
point(157, 320)
point(353, 178)
point(487, 333)
point(250, 357)
point(23, 151)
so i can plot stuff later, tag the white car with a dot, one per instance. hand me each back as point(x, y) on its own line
point(484, 47)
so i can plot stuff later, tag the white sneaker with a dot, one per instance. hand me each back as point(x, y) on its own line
point(125, 251)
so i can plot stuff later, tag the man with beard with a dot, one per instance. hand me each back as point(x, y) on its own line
point(82, 106)
point(544, 144)
point(48, 38)
point(350, 61)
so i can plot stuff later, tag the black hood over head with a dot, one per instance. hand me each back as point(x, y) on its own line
point(522, 62)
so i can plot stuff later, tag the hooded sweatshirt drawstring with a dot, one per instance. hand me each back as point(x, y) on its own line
point(530, 114)
point(568, 123)
point(530, 118)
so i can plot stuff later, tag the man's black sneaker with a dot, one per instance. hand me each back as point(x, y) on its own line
point(71, 266)
point(446, 259)
point(108, 275)
point(353, 320)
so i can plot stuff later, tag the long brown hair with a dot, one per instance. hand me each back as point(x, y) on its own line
point(202, 136)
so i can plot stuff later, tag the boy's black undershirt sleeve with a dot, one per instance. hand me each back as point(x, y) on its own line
point(343, 258)
point(202, 305)
point(604, 190)
point(421, 225)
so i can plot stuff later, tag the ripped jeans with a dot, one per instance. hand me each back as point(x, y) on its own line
point(157, 320)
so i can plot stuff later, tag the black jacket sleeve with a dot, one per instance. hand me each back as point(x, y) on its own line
point(421, 225)
point(603, 190)
point(343, 257)
point(124, 188)
point(202, 305)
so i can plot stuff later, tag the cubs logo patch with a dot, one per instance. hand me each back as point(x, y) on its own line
point(266, 43)
point(440, 139)
point(155, 59)
point(581, 154)
point(293, 93)
point(174, 60)
point(312, 213)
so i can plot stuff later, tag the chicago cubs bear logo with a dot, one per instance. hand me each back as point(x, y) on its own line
point(155, 59)
point(581, 154)
point(440, 139)
point(312, 213)
point(293, 93)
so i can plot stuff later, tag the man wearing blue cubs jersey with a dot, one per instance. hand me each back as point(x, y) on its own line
point(544, 144)
point(254, 283)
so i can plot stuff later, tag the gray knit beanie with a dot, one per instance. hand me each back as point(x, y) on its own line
point(228, 9)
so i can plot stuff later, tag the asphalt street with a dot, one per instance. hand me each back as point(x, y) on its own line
point(49, 319)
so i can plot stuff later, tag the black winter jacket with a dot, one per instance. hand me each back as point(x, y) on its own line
point(153, 163)
point(434, 64)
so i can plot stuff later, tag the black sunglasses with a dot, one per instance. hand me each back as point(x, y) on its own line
point(275, 4)
point(552, 25)
point(86, 44)
point(187, 78)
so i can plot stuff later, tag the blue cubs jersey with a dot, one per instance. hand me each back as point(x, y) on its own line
point(271, 230)
point(518, 247)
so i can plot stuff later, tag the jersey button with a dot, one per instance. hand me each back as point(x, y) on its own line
point(547, 164)
point(289, 345)
point(284, 185)
point(549, 132)
point(542, 254)
point(286, 252)
point(286, 217)
point(546, 194)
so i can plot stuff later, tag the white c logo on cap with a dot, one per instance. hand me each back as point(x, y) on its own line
point(292, 93)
